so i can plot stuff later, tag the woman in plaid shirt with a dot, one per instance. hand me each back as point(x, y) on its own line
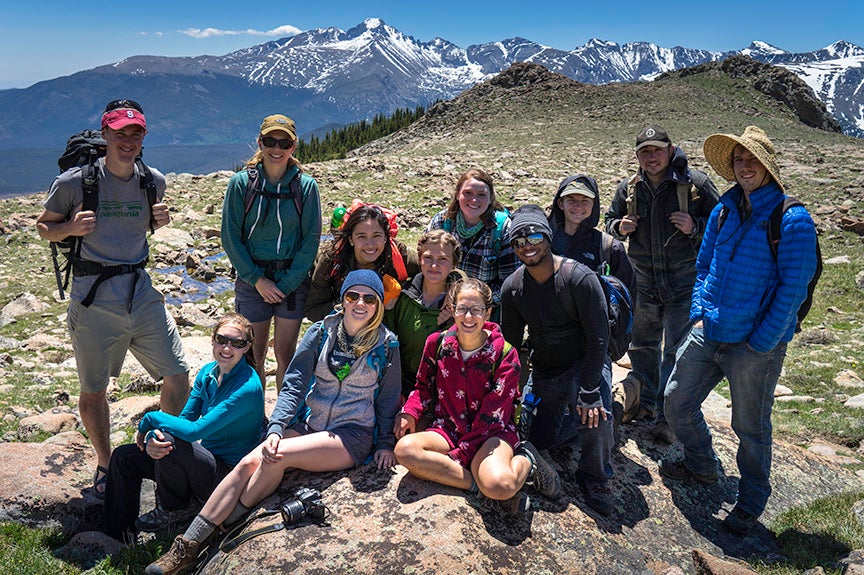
point(482, 226)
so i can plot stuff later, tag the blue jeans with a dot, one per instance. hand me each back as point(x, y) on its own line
point(659, 328)
point(557, 422)
point(752, 377)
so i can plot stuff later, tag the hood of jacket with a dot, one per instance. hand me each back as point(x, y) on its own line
point(556, 215)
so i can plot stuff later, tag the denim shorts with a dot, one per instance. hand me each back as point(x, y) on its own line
point(357, 440)
point(249, 303)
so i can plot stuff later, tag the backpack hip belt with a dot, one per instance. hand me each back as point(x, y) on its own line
point(88, 268)
point(270, 267)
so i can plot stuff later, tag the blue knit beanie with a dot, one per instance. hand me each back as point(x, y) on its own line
point(366, 278)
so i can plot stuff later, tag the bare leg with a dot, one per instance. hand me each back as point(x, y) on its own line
point(424, 454)
point(499, 474)
point(175, 392)
point(285, 333)
point(321, 451)
point(261, 331)
point(96, 418)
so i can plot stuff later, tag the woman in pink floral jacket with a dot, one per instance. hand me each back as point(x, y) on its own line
point(468, 381)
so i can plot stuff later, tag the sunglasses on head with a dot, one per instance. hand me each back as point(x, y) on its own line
point(236, 342)
point(269, 142)
point(368, 298)
point(119, 104)
point(532, 239)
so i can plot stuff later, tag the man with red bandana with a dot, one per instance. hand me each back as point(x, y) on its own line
point(114, 307)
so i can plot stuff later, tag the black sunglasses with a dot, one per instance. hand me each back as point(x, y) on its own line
point(236, 342)
point(368, 298)
point(119, 104)
point(533, 240)
point(269, 142)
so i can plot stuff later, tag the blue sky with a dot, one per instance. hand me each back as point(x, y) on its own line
point(40, 40)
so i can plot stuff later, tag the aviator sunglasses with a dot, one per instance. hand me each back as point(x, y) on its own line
point(533, 240)
point(269, 142)
point(368, 298)
point(235, 342)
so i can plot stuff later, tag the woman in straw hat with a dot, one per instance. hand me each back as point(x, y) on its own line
point(745, 304)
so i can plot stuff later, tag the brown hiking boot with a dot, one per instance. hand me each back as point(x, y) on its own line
point(180, 558)
point(627, 392)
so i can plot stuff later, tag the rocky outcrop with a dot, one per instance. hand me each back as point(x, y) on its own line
point(775, 81)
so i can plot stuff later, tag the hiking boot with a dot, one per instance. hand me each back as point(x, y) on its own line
point(158, 518)
point(543, 475)
point(663, 433)
point(678, 471)
point(739, 521)
point(627, 392)
point(519, 504)
point(597, 495)
point(180, 558)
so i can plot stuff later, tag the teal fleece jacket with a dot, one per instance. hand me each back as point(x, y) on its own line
point(271, 230)
point(226, 418)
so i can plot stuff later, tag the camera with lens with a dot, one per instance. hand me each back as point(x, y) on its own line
point(305, 503)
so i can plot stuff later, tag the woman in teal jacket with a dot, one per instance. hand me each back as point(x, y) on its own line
point(225, 412)
point(271, 226)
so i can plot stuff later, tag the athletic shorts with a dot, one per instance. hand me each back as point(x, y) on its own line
point(249, 303)
point(357, 440)
point(103, 333)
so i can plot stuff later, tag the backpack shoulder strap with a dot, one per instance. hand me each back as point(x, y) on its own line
point(775, 222)
point(251, 188)
point(606, 249)
point(297, 194)
point(562, 278)
point(148, 185)
point(683, 192)
point(631, 193)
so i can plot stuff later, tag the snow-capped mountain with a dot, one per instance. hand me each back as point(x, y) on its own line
point(327, 77)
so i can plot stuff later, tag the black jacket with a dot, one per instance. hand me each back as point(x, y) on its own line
point(664, 258)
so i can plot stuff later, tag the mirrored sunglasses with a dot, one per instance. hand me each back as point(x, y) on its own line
point(235, 342)
point(269, 142)
point(533, 240)
point(120, 104)
point(368, 298)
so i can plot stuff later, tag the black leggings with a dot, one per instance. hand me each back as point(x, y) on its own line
point(188, 471)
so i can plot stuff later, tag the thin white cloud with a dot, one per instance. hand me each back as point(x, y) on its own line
point(281, 31)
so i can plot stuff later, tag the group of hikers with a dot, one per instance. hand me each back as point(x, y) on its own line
point(419, 357)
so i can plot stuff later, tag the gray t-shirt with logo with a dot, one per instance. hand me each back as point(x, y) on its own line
point(120, 236)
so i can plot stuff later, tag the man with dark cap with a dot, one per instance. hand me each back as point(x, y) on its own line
point(662, 211)
point(563, 305)
point(745, 310)
point(114, 307)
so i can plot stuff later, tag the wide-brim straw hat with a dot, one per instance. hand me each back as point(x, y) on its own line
point(718, 150)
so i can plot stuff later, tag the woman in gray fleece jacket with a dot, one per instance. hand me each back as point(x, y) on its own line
point(337, 405)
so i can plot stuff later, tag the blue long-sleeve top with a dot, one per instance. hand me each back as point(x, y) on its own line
point(741, 293)
point(271, 230)
point(226, 418)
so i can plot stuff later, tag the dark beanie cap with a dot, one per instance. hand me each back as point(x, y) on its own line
point(529, 219)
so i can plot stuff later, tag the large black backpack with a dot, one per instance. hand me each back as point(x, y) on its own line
point(773, 233)
point(83, 149)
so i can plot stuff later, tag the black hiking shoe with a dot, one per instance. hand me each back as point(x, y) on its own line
point(543, 475)
point(678, 471)
point(739, 521)
point(519, 504)
point(597, 495)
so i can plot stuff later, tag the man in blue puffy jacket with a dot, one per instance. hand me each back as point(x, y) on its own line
point(744, 312)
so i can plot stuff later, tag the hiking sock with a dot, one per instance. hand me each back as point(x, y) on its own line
point(473, 490)
point(199, 530)
point(527, 455)
point(239, 511)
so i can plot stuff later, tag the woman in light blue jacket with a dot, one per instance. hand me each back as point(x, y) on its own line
point(187, 455)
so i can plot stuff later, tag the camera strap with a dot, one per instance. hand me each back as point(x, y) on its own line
point(235, 537)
